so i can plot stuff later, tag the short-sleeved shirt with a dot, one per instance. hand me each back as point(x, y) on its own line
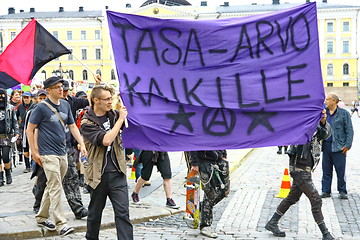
point(51, 140)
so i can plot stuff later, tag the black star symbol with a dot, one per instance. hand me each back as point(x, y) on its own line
point(262, 118)
point(181, 118)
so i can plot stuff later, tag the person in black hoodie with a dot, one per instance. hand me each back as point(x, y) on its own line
point(9, 128)
point(214, 174)
point(302, 161)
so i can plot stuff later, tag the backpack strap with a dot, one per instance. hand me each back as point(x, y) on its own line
point(57, 113)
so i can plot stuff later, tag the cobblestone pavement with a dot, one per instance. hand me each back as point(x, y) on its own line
point(252, 201)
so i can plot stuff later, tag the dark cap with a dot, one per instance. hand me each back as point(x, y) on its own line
point(41, 92)
point(27, 94)
point(80, 94)
point(52, 81)
point(66, 85)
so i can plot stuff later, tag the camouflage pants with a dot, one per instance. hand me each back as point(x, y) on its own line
point(212, 188)
point(71, 185)
point(302, 183)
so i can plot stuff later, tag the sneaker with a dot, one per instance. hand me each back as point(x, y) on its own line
point(66, 230)
point(209, 232)
point(135, 198)
point(147, 183)
point(83, 214)
point(27, 170)
point(343, 195)
point(48, 225)
point(171, 204)
point(325, 195)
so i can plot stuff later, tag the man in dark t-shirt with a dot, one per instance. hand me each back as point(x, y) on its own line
point(53, 119)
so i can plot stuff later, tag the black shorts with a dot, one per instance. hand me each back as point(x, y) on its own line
point(163, 165)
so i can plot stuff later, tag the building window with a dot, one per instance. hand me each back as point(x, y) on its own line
point(69, 35)
point(346, 69)
point(70, 56)
point(330, 47)
point(43, 72)
point(83, 35)
point(113, 74)
point(97, 53)
point(345, 84)
point(345, 46)
point(330, 69)
point(85, 75)
point(203, 3)
point(346, 26)
point(330, 27)
point(71, 74)
point(56, 34)
point(97, 34)
point(98, 72)
point(329, 84)
point(12, 35)
point(83, 54)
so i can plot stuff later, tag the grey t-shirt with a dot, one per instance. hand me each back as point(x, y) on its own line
point(51, 140)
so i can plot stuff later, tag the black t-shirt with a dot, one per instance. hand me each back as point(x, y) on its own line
point(110, 163)
point(2, 121)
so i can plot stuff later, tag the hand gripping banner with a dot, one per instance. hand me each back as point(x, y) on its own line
point(219, 84)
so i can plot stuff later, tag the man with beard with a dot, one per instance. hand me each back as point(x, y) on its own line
point(8, 128)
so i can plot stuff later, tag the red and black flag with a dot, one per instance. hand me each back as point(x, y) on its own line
point(27, 53)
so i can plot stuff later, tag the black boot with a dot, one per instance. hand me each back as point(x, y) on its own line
point(325, 232)
point(285, 149)
point(272, 225)
point(279, 151)
point(1, 179)
point(8, 176)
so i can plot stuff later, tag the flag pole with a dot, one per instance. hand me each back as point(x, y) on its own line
point(97, 79)
point(84, 65)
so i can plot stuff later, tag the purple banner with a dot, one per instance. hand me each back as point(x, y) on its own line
point(219, 84)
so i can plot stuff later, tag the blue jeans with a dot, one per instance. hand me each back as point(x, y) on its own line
point(330, 159)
